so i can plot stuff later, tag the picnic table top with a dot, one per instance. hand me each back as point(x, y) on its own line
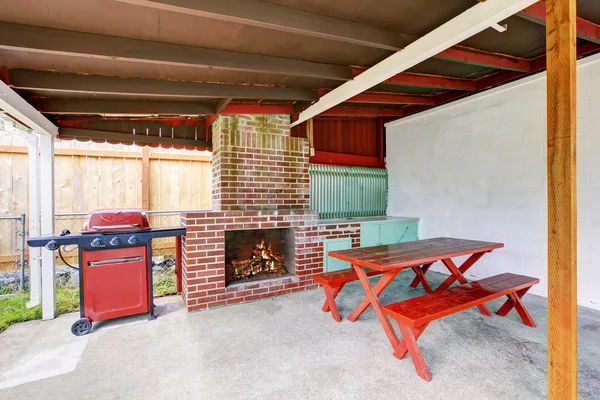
point(410, 254)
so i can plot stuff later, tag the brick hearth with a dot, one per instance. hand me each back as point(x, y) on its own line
point(204, 256)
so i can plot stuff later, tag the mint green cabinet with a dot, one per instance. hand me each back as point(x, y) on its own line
point(333, 264)
point(369, 235)
point(388, 232)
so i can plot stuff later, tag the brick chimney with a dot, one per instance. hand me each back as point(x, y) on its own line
point(257, 165)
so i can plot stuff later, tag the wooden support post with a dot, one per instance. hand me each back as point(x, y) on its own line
point(35, 253)
point(145, 178)
point(47, 225)
point(310, 135)
point(562, 199)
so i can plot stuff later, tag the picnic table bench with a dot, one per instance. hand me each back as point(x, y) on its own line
point(413, 315)
point(390, 260)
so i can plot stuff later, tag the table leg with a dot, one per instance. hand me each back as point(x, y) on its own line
point(383, 282)
point(421, 278)
point(463, 268)
point(416, 281)
point(374, 301)
point(458, 275)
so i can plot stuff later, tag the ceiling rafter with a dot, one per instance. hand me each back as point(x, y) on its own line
point(461, 27)
point(287, 19)
point(387, 98)
point(500, 78)
point(345, 111)
point(121, 107)
point(424, 80)
point(586, 30)
point(93, 84)
point(56, 41)
point(98, 135)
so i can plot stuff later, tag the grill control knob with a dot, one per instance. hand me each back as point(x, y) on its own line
point(115, 241)
point(52, 245)
point(133, 240)
point(97, 243)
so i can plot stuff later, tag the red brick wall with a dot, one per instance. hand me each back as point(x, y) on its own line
point(203, 256)
point(257, 165)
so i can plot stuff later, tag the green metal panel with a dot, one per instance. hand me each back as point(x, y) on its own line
point(338, 192)
point(369, 235)
point(333, 264)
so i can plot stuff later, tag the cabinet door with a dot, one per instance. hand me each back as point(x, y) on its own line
point(333, 264)
point(369, 235)
point(389, 232)
point(409, 231)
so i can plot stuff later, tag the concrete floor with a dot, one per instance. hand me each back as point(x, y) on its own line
point(286, 348)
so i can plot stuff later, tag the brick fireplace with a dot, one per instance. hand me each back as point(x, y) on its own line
point(260, 182)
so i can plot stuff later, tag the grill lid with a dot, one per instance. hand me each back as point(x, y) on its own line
point(119, 219)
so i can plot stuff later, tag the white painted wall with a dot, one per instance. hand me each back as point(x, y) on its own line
point(476, 169)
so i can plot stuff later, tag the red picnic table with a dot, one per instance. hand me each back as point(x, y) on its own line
point(419, 255)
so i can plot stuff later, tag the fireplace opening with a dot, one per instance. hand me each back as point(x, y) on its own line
point(258, 254)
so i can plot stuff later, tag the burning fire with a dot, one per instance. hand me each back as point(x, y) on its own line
point(263, 262)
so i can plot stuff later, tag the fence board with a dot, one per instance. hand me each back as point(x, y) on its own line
point(86, 181)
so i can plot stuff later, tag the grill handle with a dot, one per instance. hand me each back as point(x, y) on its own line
point(109, 227)
point(120, 260)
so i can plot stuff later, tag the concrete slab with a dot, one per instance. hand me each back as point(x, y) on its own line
point(287, 348)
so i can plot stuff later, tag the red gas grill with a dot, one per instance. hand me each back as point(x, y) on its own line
point(115, 264)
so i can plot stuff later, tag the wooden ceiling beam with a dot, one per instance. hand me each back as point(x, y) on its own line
point(292, 20)
point(93, 84)
point(586, 30)
point(284, 19)
point(486, 59)
point(55, 41)
point(121, 107)
point(424, 80)
point(387, 98)
point(96, 135)
point(343, 111)
point(258, 108)
point(221, 104)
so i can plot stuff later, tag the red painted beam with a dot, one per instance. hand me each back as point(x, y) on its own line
point(4, 75)
point(343, 111)
point(424, 80)
point(210, 119)
point(586, 30)
point(83, 123)
point(386, 98)
point(256, 108)
point(486, 82)
point(486, 59)
point(324, 157)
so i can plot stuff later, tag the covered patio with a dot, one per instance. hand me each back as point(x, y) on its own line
point(299, 103)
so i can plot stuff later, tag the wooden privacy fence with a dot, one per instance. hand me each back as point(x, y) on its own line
point(87, 180)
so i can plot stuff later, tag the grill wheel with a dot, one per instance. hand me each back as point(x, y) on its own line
point(81, 327)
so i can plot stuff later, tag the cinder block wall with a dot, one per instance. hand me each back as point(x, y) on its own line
point(477, 169)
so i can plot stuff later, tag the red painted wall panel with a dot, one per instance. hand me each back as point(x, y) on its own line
point(348, 137)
